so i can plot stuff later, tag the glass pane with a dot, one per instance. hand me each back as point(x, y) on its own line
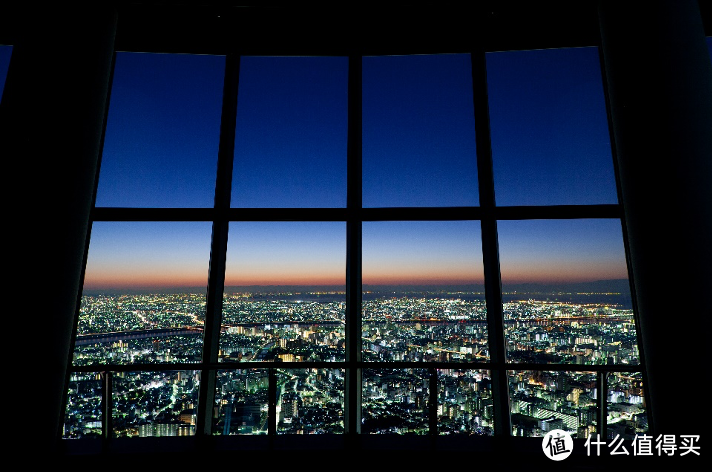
point(549, 128)
point(395, 401)
point(144, 294)
point(162, 133)
point(542, 401)
point(5, 54)
point(290, 143)
point(310, 401)
point(566, 292)
point(465, 403)
point(284, 292)
point(83, 416)
point(423, 296)
point(625, 402)
point(152, 404)
point(418, 131)
point(241, 402)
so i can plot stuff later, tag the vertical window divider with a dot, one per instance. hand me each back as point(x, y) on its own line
point(601, 402)
point(216, 272)
point(433, 402)
point(490, 249)
point(272, 405)
point(107, 406)
point(352, 387)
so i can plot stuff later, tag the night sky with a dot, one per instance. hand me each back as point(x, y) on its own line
point(550, 146)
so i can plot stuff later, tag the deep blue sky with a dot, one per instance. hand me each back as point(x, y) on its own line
point(550, 145)
point(418, 131)
point(549, 141)
point(290, 143)
point(162, 132)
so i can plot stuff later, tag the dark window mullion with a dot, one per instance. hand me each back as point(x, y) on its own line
point(490, 247)
point(216, 274)
point(107, 406)
point(272, 418)
point(352, 388)
point(433, 401)
point(601, 403)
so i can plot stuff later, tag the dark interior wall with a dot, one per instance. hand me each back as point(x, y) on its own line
point(659, 78)
point(660, 84)
point(52, 114)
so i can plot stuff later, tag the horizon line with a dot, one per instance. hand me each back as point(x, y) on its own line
point(338, 288)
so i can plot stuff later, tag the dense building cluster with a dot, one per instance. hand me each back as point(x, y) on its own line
point(165, 329)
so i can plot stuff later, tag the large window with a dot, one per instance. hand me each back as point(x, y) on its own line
point(395, 245)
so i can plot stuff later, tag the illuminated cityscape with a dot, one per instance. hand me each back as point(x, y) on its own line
point(401, 237)
point(289, 328)
point(430, 361)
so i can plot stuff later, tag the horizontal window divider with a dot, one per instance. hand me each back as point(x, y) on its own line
point(363, 214)
point(283, 365)
point(421, 213)
point(286, 214)
point(576, 367)
point(210, 214)
point(361, 365)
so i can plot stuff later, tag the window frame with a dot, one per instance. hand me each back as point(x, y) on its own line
point(354, 214)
